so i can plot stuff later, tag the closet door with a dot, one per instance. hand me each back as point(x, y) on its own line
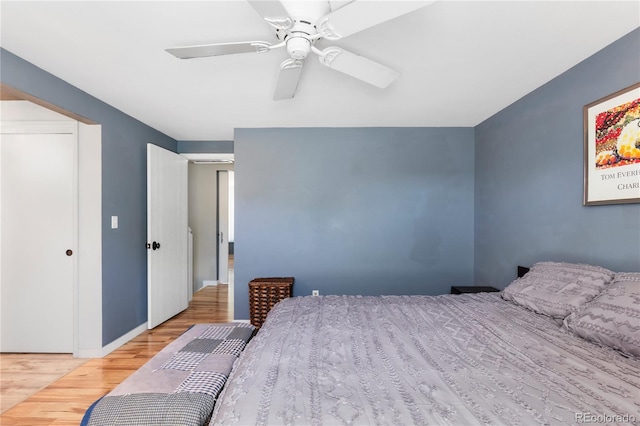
point(39, 236)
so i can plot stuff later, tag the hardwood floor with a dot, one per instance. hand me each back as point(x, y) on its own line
point(64, 401)
point(22, 375)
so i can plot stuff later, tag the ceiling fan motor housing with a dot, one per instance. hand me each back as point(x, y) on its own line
point(298, 47)
point(299, 38)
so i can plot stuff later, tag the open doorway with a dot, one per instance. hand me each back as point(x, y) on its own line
point(211, 199)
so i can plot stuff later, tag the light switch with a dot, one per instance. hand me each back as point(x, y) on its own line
point(114, 222)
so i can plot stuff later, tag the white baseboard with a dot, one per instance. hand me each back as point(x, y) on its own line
point(106, 350)
point(209, 282)
point(89, 353)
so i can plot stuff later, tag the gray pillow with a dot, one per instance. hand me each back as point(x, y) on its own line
point(613, 318)
point(558, 289)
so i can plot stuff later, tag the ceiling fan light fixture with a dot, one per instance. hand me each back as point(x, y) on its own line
point(298, 47)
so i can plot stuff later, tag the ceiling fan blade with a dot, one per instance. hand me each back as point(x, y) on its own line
point(360, 15)
point(290, 71)
point(337, 4)
point(205, 50)
point(273, 12)
point(358, 66)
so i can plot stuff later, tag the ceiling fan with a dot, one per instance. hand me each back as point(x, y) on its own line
point(299, 25)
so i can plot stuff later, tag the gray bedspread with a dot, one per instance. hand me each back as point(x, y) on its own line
point(180, 384)
point(420, 360)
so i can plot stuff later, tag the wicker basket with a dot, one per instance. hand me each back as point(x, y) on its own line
point(264, 293)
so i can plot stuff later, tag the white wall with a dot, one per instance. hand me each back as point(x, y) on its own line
point(90, 242)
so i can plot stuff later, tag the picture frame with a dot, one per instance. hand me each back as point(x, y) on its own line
point(612, 149)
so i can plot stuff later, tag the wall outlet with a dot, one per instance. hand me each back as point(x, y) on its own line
point(315, 292)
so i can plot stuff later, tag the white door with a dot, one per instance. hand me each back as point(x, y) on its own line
point(39, 236)
point(223, 227)
point(167, 235)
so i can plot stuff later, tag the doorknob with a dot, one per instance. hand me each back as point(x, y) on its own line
point(155, 246)
point(221, 237)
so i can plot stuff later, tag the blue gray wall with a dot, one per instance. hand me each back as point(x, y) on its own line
point(124, 190)
point(529, 177)
point(373, 211)
point(218, 147)
point(354, 210)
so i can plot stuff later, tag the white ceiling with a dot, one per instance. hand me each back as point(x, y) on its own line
point(460, 62)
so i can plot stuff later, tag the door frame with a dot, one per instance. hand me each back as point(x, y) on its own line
point(218, 160)
point(222, 199)
point(27, 108)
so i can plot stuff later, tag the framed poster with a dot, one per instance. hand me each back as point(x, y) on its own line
point(612, 149)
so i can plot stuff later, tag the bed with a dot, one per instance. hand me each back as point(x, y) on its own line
point(560, 345)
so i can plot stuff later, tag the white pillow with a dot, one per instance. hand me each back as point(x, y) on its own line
point(558, 289)
point(613, 318)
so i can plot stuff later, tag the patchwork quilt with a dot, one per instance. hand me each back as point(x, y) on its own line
point(180, 384)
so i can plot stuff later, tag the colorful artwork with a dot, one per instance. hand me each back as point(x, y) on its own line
point(618, 135)
point(612, 149)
